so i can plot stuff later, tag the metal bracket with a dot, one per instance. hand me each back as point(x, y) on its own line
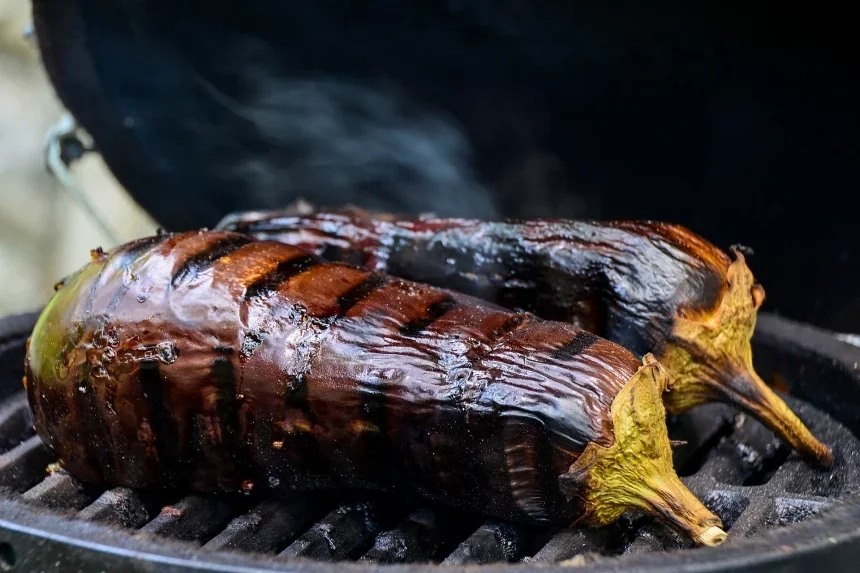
point(66, 143)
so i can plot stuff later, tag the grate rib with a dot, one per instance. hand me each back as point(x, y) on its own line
point(24, 466)
point(753, 518)
point(345, 533)
point(60, 492)
point(120, 507)
point(649, 539)
point(728, 505)
point(573, 542)
point(16, 423)
point(699, 430)
point(194, 518)
point(792, 510)
point(492, 542)
point(268, 527)
point(729, 464)
point(419, 537)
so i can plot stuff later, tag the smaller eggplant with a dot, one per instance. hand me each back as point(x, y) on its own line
point(649, 286)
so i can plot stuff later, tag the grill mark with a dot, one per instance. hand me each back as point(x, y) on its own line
point(296, 396)
point(138, 248)
point(547, 477)
point(514, 322)
point(520, 441)
point(195, 440)
point(201, 261)
point(166, 440)
point(248, 426)
point(97, 439)
point(373, 407)
point(375, 450)
point(360, 291)
point(597, 319)
point(285, 270)
point(435, 311)
point(399, 251)
point(580, 342)
point(337, 254)
point(302, 447)
point(110, 396)
point(224, 376)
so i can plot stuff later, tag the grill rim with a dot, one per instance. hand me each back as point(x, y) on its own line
point(826, 540)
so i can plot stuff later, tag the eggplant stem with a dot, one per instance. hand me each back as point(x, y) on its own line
point(636, 471)
point(709, 358)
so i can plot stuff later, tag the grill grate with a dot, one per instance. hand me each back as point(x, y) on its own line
point(738, 469)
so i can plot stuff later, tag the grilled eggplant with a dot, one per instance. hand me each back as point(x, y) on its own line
point(649, 286)
point(207, 360)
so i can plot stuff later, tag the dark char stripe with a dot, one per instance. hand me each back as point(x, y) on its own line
point(302, 446)
point(139, 247)
point(166, 440)
point(194, 451)
point(97, 439)
point(434, 312)
point(224, 377)
point(338, 254)
point(361, 291)
point(283, 272)
point(512, 323)
point(374, 453)
point(296, 395)
point(581, 341)
point(199, 262)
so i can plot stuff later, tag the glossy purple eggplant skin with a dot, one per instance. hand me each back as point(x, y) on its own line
point(623, 280)
point(206, 360)
point(651, 287)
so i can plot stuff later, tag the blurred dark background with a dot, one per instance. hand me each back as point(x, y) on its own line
point(738, 120)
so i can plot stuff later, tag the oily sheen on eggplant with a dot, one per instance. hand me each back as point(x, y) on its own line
point(649, 286)
point(206, 360)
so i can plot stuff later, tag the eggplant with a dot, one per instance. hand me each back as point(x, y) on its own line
point(209, 361)
point(648, 286)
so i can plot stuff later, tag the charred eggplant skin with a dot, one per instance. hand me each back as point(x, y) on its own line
point(648, 286)
point(207, 360)
point(624, 280)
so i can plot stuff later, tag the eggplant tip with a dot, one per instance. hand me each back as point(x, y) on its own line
point(636, 471)
point(709, 358)
point(819, 455)
point(712, 537)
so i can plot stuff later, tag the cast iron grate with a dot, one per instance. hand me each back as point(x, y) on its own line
point(739, 470)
